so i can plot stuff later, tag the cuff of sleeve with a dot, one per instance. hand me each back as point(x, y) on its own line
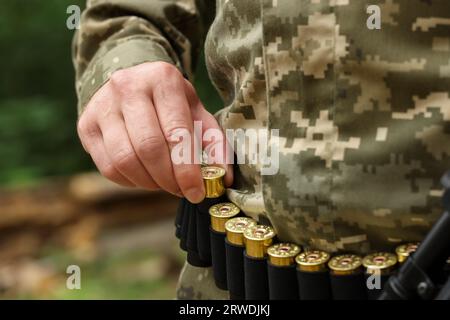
point(121, 54)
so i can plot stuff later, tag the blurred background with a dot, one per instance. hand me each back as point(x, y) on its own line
point(55, 211)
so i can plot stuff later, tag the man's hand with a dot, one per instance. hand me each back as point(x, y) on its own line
point(129, 124)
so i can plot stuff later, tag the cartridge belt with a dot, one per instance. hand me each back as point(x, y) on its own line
point(249, 262)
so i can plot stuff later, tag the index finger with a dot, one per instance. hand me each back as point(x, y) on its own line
point(175, 119)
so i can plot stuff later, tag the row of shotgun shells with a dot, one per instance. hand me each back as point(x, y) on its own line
point(258, 241)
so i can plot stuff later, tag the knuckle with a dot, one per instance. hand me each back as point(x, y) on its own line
point(86, 128)
point(167, 70)
point(123, 158)
point(190, 89)
point(176, 129)
point(109, 172)
point(150, 147)
point(122, 81)
point(82, 126)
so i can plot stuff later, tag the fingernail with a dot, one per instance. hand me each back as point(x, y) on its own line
point(195, 195)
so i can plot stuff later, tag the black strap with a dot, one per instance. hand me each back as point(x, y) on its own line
point(218, 259)
point(444, 294)
point(193, 257)
point(314, 285)
point(235, 270)
point(373, 293)
point(179, 217)
point(256, 278)
point(191, 241)
point(185, 227)
point(203, 223)
point(282, 282)
point(194, 260)
point(348, 287)
point(203, 237)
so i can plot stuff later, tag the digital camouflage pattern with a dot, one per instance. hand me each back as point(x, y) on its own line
point(363, 114)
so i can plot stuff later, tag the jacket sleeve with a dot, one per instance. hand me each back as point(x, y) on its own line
point(117, 34)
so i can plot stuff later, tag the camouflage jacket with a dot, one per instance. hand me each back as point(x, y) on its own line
point(363, 114)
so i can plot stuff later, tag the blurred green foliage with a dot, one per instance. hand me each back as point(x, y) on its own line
point(37, 98)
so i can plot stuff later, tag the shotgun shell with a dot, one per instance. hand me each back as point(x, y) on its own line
point(221, 213)
point(257, 239)
point(283, 254)
point(312, 261)
point(345, 264)
point(213, 180)
point(235, 229)
point(405, 250)
point(379, 263)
